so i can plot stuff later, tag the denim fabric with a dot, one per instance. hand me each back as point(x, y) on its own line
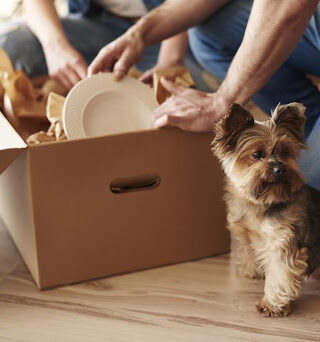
point(150, 4)
point(310, 160)
point(78, 6)
point(214, 44)
point(82, 6)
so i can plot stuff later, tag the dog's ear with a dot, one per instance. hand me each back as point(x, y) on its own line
point(291, 117)
point(229, 128)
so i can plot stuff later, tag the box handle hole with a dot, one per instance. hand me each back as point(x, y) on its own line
point(135, 183)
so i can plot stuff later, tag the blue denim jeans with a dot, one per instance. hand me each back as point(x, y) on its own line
point(214, 44)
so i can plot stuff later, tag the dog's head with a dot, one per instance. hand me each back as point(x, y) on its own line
point(260, 158)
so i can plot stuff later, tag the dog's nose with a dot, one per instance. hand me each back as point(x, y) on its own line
point(278, 169)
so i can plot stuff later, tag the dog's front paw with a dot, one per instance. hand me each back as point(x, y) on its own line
point(269, 310)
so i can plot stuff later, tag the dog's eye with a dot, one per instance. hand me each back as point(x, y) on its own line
point(285, 152)
point(258, 154)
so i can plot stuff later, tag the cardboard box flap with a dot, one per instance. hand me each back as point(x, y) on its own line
point(11, 144)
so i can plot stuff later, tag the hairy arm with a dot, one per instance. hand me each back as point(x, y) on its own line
point(273, 31)
point(165, 21)
point(175, 16)
point(43, 20)
point(65, 64)
point(173, 49)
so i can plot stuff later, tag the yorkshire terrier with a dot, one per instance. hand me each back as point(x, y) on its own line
point(272, 214)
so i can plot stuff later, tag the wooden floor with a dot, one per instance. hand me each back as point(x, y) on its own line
point(195, 301)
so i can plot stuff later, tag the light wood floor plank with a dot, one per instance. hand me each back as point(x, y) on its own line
point(195, 301)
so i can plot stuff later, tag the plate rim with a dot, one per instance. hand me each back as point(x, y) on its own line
point(96, 85)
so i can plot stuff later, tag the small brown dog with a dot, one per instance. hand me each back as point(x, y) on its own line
point(272, 213)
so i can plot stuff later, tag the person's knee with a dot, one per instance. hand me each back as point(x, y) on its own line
point(209, 56)
point(215, 41)
point(226, 27)
point(24, 50)
point(308, 161)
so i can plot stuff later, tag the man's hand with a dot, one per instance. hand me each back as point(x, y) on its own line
point(167, 20)
point(190, 109)
point(119, 56)
point(65, 64)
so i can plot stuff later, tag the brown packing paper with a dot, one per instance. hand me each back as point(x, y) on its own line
point(52, 86)
point(5, 62)
point(25, 125)
point(1, 96)
point(54, 111)
point(178, 74)
point(5, 68)
point(40, 137)
point(19, 97)
point(134, 72)
point(46, 85)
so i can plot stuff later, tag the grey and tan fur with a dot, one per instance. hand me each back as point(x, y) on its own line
point(272, 213)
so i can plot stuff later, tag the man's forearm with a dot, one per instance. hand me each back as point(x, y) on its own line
point(173, 17)
point(173, 49)
point(274, 29)
point(43, 20)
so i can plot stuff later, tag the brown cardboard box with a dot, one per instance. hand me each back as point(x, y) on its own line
point(90, 208)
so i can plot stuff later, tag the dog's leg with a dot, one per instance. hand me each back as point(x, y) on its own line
point(246, 265)
point(284, 271)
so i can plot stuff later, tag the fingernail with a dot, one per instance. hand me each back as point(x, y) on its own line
point(162, 121)
point(116, 77)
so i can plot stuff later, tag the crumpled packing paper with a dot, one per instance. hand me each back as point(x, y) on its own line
point(19, 98)
point(178, 74)
point(54, 111)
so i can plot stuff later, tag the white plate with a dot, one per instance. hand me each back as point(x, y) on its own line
point(100, 106)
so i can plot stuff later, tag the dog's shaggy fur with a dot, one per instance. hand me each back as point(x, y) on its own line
point(272, 213)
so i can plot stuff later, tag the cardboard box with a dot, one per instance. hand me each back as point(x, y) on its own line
point(95, 207)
